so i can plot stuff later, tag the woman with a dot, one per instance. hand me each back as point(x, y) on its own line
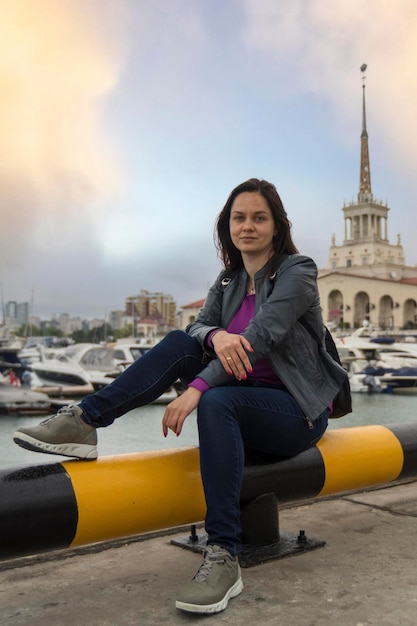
point(256, 376)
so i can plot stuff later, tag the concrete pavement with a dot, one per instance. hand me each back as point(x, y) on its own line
point(366, 574)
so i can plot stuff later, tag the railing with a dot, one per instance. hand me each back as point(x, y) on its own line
point(74, 503)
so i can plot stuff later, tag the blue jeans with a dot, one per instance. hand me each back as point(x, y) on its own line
point(177, 356)
point(230, 418)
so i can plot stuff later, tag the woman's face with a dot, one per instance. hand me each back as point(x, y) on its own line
point(252, 226)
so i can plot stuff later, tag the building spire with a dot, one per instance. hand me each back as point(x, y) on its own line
point(365, 190)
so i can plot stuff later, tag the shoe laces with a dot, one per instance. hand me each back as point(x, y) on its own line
point(67, 410)
point(71, 409)
point(211, 558)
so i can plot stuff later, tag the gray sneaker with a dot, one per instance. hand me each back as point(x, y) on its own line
point(217, 580)
point(64, 433)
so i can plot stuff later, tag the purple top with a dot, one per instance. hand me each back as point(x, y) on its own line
point(262, 370)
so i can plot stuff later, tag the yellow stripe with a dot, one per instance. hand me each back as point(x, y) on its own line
point(118, 496)
point(359, 457)
point(124, 495)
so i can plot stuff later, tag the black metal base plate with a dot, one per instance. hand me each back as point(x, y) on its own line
point(288, 545)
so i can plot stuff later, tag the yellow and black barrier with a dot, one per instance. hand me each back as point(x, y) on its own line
point(74, 503)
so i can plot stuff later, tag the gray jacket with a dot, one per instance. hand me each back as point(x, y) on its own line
point(275, 332)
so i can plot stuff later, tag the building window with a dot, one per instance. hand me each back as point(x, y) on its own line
point(365, 260)
point(349, 263)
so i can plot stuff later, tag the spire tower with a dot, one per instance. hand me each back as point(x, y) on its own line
point(365, 243)
point(366, 277)
point(365, 190)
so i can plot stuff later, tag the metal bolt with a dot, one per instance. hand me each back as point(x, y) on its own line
point(193, 537)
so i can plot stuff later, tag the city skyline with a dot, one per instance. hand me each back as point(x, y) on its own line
point(126, 124)
point(162, 303)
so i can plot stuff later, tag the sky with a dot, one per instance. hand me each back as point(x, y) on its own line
point(125, 124)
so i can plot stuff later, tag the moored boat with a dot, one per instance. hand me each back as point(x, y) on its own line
point(78, 370)
point(378, 366)
point(21, 400)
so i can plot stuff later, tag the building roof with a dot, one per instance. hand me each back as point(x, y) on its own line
point(194, 305)
point(409, 281)
point(148, 320)
point(401, 281)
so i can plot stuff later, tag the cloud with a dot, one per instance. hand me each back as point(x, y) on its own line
point(317, 48)
point(124, 125)
point(58, 62)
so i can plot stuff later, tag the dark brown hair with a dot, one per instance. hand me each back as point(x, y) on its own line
point(282, 241)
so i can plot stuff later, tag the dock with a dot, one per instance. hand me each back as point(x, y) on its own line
point(366, 574)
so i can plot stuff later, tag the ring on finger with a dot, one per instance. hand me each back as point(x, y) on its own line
point(228, 358)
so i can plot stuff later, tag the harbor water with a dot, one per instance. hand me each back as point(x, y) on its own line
point(141, 430)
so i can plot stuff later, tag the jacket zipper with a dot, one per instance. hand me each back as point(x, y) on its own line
point(309, 422)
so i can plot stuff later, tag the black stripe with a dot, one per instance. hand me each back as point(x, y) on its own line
point(298, 478)
point(406, 434)
point(38, 510)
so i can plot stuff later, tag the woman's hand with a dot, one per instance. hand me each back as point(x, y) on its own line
point(179, 409)
point(232, 352)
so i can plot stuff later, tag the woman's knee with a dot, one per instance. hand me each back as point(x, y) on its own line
point(213, 408)
point(212, 399)
point(179, 338)
point(175, 335)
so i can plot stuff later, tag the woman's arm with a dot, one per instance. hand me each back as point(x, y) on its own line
point(209, 317)
point(232, 351)
point(178, 410)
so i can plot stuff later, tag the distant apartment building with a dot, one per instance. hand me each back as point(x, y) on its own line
point(11, 309)
point(157, 307)
point(94, 323)
point(16, 313)
point(64, 320)
point(23, 313)
point(74, 324)
point(35, 321)
point(66, 324)
point(117, 319)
